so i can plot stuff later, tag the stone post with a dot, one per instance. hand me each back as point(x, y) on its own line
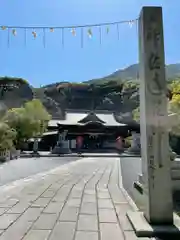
point(35, 145)
point(62, 146)
point(135, 145)
point(59, 139)
point(154, 119)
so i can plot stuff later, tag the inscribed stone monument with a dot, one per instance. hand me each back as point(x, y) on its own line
point(154, 119)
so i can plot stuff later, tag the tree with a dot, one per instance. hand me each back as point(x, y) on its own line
point(136, 114)
point(38, 115)
point(17, 119)
point(175, 87)
point(7, 136)
point(174, 105)
point(28, 121)
point(10, 83)
point(173, 94)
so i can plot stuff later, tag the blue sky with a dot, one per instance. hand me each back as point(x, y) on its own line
point(42, 65)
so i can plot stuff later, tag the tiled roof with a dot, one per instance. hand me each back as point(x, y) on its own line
point(109, 119)
point(91, 117)
point(74, 118)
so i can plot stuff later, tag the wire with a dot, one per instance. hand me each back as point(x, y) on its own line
point(71, 26)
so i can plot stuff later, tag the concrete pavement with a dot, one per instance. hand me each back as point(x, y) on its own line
point(26, 167)
point(81, 200)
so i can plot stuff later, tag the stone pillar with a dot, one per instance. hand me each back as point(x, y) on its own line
point(157, 188)
point(35, 145)
point(136, 145)
point(59, 138)
point(65, 141)
point(62, 146)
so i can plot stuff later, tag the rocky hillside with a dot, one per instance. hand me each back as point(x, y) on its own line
point(117, 92)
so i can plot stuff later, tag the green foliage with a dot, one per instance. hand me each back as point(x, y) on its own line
point(94, 95)
point(37, 113)
point(136, 114)
point(174, 86)
point(174, 105)
point(131, 85)
point(12, 80)
point(128, 141)
point(10, 83)
point(105, 80)
point(7, 136)
point(28, 121)
point(17, 119)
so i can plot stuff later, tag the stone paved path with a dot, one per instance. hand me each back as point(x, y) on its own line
point(26, 167)
point(82, 200)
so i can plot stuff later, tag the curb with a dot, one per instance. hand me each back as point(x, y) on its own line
point(69, 155)
point(83, 155)
point(127, 196)
point(129, 199)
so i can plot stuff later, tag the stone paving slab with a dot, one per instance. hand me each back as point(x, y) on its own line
point(88, 208)
point(79, 201)
point(69, 214)
point(37, 234)
point(3, 210)
point(63, 230)
point(54, 207)
point(7, 219)
point(31, 214)
point(17, 230)
point(111, 231)
point(87, 222)
point(107, 216)
point(80, 235)
point(45, 221)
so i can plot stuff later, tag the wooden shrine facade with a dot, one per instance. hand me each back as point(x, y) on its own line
point(99, 127)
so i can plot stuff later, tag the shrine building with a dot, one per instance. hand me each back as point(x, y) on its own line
point(99, 129)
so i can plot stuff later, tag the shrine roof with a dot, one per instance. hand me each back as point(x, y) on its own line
point(91, 117)
point(82, 118)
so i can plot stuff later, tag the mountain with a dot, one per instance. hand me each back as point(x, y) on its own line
point(132, 73)
point(118, 92)
point(128, 73)
point(173, 71)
